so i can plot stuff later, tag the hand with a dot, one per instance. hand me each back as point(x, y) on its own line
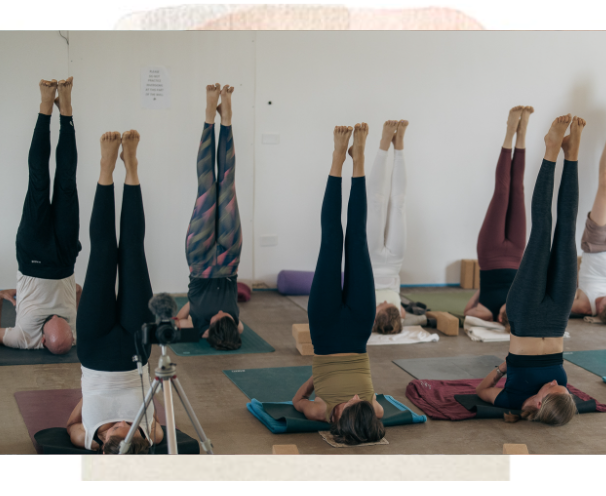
point(9, 294)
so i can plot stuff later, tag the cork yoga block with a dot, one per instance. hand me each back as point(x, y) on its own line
point(515, 449)
point(447, 323)
point(301, 333)
point(305, 348)
point(467, 273)
point(476, 275)
point(285, 449)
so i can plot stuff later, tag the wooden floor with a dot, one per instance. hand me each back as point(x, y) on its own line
point(221, 407)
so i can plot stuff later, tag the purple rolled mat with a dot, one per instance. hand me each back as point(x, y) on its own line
point(296, 282)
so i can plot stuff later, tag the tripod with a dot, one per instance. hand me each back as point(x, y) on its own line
point(166, 374)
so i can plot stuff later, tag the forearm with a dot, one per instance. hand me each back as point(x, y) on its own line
point(304, 392)
point(473, 301)
point(491, 379)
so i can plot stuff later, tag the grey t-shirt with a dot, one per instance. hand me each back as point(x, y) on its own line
point(208, 296)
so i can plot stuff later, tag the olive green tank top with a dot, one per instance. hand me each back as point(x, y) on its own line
point(338, 378)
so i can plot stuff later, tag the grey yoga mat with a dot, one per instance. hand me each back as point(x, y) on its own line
point(449, 368)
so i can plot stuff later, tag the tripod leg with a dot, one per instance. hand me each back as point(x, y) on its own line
point(204, 441)
point(125, 445)
point(171, 430)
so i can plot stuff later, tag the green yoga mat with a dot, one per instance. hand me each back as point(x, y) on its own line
point(251, 342)
point(453, 302)
point(270, 385)
point(593, 361)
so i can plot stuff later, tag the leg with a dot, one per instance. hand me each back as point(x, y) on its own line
point(325, 297)
point(395, 240)
point(200, 239)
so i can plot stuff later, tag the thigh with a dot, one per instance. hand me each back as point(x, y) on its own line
point(111, 351)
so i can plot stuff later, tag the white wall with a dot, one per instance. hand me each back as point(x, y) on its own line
point(454, 88)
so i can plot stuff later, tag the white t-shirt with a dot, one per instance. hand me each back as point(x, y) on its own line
point(36, 300)
point(389, 296)
point(112, 397)
point(592, 277)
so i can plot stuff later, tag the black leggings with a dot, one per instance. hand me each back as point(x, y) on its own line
point(47, 238)
point(541, 296)
point(106, 326)
point(341, 321)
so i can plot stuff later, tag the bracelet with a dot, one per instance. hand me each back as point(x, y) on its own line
point(501, 373)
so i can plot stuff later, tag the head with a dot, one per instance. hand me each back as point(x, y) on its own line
point(552, 405)
point(503, 317)
point(601, 308)
point(57, 335)
point(355, 422)
point(117, 433)
point(223, 332)
point(388, 319)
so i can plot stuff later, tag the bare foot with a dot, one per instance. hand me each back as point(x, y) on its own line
point(513, 120)
point(224, 108)
point(64, 90)
point(356, 151)
point(389, 131)
point(47, 92)
point(555, 136)
point(110, 144)
point(398, 139)
point(522, 126)
point(130, 140)
point(212, 98)
point(341, 137)
point(570, 143)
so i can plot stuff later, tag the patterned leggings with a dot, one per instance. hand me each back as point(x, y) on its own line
point(214, 236)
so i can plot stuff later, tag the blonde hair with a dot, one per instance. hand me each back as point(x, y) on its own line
point(556, 409)
point(506, 322)
point(602, 315)
point(388, 321)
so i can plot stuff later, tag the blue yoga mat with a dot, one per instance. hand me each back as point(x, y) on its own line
point(593, 361)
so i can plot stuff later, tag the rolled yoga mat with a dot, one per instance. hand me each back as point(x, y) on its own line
point(14, 356)
point(45, 414)
point(449, 368)
point(251, 342)
point(281, 384)
point(593, 361)
point(296, 282)
point(453, 302)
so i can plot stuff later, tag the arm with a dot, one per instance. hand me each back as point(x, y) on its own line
point(183, 317)
point(157, 430)
point(78, 294)
point(378, 408)
point(472, 303)
point(311, 409)
point(75, 429)
point(486, 389)
point(240, 327)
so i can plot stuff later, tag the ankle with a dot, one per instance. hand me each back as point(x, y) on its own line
point(210, 117)
point(132, 178)
point(385, 144)
point(46, 109)
point(551, 154)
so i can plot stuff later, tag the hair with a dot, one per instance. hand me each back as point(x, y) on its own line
point(358, 424)
point(602, 315)
point(556, 409)
point(50, 317)
point(223, 334)
point(388, 321)
point(138, 446)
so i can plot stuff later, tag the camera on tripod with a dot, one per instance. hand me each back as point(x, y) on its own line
point(164, 330)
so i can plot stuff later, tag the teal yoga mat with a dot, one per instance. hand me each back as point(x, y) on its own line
point(251, 342)
point(593, 361)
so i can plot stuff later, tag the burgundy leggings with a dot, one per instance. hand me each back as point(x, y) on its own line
point(502, 238)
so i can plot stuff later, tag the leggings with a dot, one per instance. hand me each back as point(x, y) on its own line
point(503, 234)
point(386, 214)
point(214, 237)
point(106, 325)
point(541, 296)
point(340, 320)
point(47, 238)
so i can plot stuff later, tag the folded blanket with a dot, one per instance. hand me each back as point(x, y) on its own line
point(592, 320)
point(487, 332)
point(282, 417)
point(409, 335)
point(437, 399)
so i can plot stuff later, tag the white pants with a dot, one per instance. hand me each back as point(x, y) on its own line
point(386, 225)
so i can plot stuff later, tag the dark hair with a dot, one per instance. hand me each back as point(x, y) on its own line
point(138, 446)
point(223, 334)
point(388, 321)
point(358, 424)
point(556, 409)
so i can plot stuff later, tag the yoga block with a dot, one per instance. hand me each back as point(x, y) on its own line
point(515, 449)
point(476, 275)
point(305, 348)
point(285, 449)
point(467, 273)
point(447, 323)
point(301, 333)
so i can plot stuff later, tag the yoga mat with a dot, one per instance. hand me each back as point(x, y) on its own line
point(8, 316)
point(449, 368)
point(593, 361)
point(453, 302)
point(46, 412)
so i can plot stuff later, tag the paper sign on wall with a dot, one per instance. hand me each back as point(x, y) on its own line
point(155, 88)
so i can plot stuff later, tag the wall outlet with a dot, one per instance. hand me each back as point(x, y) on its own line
point(268, 240)
point(270, 139)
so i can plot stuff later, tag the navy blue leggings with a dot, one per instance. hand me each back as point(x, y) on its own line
point(340, 320)
point(541, 296)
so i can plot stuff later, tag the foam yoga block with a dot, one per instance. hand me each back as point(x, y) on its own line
point(448, 324)
point(296, 282)
point(303, 339)
point(285, 449)
point(515, 449)
point(467, 273)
